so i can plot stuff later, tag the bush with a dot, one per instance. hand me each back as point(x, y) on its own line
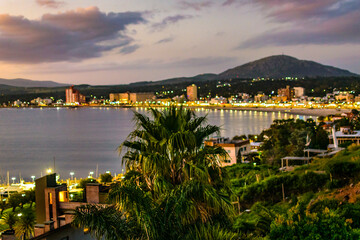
point(106, 177)
point(343, 170)
point(298, 224)
point(320, 206)
point(85, 181)
point(270, 189)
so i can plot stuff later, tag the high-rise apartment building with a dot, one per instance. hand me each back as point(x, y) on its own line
point(299, 92)
point(286, 93)
point(191, 92)
point(74, 96)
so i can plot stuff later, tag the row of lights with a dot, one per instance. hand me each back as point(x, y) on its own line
point(49, 171)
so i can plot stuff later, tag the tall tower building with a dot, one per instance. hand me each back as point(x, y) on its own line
point(74, 96)
point(191, 92)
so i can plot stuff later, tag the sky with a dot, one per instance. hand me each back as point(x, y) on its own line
point(103, 42)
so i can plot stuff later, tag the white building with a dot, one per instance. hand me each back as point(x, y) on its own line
point(235, 149)
point(299, 92)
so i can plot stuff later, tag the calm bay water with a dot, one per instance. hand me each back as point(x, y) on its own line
point(79, 139)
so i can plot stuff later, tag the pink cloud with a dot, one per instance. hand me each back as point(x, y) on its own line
point(68, 36)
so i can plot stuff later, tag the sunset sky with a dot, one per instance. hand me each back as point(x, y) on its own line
point(122, 41)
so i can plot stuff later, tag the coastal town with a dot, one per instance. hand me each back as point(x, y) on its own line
point(292, 100)
point(59, 200)
point(179, 120)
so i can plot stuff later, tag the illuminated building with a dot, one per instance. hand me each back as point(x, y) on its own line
point(191, 92)
point(235, 149)
point(286, 94)
point(131, 97)
point(54, 210)
point(74, 96)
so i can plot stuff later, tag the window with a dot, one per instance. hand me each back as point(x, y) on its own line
point(63, 196)
point(50, 198)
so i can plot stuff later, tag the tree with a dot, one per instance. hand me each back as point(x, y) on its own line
point(30, 197)
point(24, 227)
point(15, 200)
point(322, 138)
point(3, 205)
point(174, 185)
point(9, 219)
point(106, 177)
point(355, 112)
point(85, 181)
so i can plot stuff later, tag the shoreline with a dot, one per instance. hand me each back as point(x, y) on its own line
point(295, 111)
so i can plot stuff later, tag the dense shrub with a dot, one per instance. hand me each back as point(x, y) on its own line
point(271, 188)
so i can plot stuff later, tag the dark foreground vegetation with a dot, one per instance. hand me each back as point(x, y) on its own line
point(174, 188)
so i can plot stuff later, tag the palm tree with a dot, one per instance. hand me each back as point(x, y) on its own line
point(9, 219)
point(24, 227)
point(174, 184)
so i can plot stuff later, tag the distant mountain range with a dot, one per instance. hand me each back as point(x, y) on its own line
point(278, 66)
point(19, 82)
point(275, 67)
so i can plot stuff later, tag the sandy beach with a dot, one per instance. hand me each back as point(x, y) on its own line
point(297, 111)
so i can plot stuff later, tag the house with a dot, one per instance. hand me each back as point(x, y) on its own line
point(236, 149)
point(54, 210)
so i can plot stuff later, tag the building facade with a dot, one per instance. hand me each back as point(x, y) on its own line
point(299, 92)
point(236, 150)
point(74, 96)
point(131, 97)
point(286, 94)
point(191, 92)
point(54, 210)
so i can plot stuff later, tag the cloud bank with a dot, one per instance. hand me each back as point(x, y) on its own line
point(170, 20)
point(50, 3)
point(311, 22)
point(69, 36)
point(195, 5)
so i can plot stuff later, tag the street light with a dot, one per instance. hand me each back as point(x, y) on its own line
point(33, 178)
point(13, 179)
point(72, 175)
point(49, 170)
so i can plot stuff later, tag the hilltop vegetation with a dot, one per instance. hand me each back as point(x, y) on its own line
point(316, 201)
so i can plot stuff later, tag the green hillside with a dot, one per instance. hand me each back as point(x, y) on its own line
point(294, 205)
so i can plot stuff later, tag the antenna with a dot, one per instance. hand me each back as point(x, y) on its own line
point(97, 170)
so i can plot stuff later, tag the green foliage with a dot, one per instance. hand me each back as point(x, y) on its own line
point(3, 205)
point(9, 219)
point(105, 222)
point(174, 187)
point(106, 177)
point(285, 138)
point(343, 171)
point(246, 174)
point(271, 188)
point(30, 197)
point(85, 181)
point(15, 200)
point(300, 224)
point(24, 227)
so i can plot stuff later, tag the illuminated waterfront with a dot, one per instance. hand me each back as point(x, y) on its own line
point(79, 139)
